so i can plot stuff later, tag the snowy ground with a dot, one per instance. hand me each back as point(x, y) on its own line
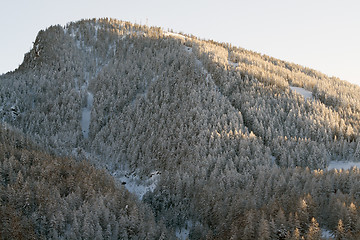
point(305, 93)
point(342, 165)
point(326, 234)
point(135, 185)
point(183, 233)
point(188, 49)
point(233, 64)
point(176, 35)
point(85, 115)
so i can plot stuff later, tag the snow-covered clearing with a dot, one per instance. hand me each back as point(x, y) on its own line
point(135, 185)
point(326, 234)
point(176, 35)
point(140, 187)
point(305, 93)
point(342, 165)
point(86, 114)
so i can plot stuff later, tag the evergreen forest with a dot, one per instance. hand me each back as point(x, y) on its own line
point(215, 136)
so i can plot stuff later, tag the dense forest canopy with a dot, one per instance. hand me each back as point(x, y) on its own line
point(238, 152)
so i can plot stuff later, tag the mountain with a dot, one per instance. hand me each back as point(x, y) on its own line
point(221, 141)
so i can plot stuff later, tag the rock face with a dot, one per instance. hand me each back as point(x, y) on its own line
point(231, 139)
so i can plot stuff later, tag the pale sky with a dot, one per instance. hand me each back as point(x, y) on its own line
point(320, 34)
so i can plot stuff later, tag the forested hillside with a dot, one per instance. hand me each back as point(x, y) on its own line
point(238, 152)
point(46, 197)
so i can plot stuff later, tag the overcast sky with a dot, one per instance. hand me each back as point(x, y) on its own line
point(320, 34)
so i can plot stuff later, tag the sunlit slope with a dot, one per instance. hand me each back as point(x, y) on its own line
point(125, 66)
point(215, 120)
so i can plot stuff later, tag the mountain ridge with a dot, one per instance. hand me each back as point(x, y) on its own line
point(215, 120)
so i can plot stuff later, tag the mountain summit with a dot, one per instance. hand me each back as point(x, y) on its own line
point(226, 143)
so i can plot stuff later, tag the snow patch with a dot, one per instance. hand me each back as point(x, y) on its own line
point(135, 185)
point(1, 113)
point(188, 49)
point(305, 93)
point(233, 64)
point(176, 35)
point(183, 233)
point(326, 234)
point(86, 115)
point(342, 165)
point(76, 80)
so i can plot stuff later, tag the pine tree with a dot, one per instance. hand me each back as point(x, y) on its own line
point(314, 231)
point(340, 231)
point(356, 155)
point(264, 229)
point(296, 234)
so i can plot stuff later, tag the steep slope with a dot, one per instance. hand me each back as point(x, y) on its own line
point(45, 197)
point(230, 140)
